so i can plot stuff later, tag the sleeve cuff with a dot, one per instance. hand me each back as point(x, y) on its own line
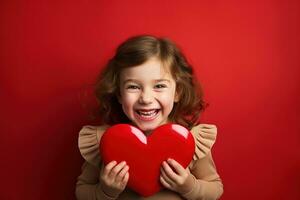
point(100, 194)
point(189, 194)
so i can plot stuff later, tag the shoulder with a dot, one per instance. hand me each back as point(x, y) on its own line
point(88, 142)
point(205, 136)
point(89, 132)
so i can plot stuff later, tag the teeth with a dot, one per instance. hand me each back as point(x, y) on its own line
point(147, 113)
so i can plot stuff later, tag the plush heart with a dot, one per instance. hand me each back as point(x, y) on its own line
point(145, 154)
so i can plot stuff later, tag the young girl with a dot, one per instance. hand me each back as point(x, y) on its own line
point(149, 83)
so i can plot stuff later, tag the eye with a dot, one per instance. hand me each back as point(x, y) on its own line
point(132, 87)
point(160, 86)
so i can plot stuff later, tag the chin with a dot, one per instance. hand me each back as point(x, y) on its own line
point(148, 128)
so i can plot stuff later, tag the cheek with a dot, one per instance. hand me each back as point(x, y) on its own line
point(128, 99)
point(167, 99)
point(126, 105)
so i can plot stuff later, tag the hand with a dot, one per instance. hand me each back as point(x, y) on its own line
point(114, 178)
point(179, 180)
point(209, 128)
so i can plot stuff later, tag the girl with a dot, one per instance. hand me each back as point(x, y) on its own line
point(149, 83)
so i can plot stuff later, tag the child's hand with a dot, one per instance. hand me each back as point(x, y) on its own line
point(177, 179)
point(114, 178)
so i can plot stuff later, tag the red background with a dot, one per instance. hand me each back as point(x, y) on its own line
point(245, 54)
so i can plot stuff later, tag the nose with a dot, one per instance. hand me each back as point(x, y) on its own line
point(146, 97)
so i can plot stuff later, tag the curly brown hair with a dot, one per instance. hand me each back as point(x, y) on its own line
point(136, 51)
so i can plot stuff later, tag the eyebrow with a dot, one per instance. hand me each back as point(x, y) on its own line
point(135, 80)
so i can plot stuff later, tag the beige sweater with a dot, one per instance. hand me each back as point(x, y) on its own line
point(208, 185)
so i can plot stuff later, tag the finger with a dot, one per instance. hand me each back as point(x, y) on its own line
point(177, 167)
point(116, 169)
point(169, 171)
point(164, 182)
point(122, 173)
point(165, 176)
point(108, 167)
point(125, 179)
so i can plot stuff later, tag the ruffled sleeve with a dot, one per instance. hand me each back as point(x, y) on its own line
point(203, 142)
point(88, 143)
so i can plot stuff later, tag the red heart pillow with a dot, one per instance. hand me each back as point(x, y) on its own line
point(145, 154)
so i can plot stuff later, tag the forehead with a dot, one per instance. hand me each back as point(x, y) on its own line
point(151, 69)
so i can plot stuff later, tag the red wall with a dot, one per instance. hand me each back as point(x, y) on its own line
point(245, 54)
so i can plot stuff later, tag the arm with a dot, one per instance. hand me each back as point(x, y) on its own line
point(88, 186)
point(93, 183)
point(207, 184)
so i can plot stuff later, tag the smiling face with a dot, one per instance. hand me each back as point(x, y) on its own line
point(147, 94)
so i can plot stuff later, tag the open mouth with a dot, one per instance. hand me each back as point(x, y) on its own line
point(147, 115)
